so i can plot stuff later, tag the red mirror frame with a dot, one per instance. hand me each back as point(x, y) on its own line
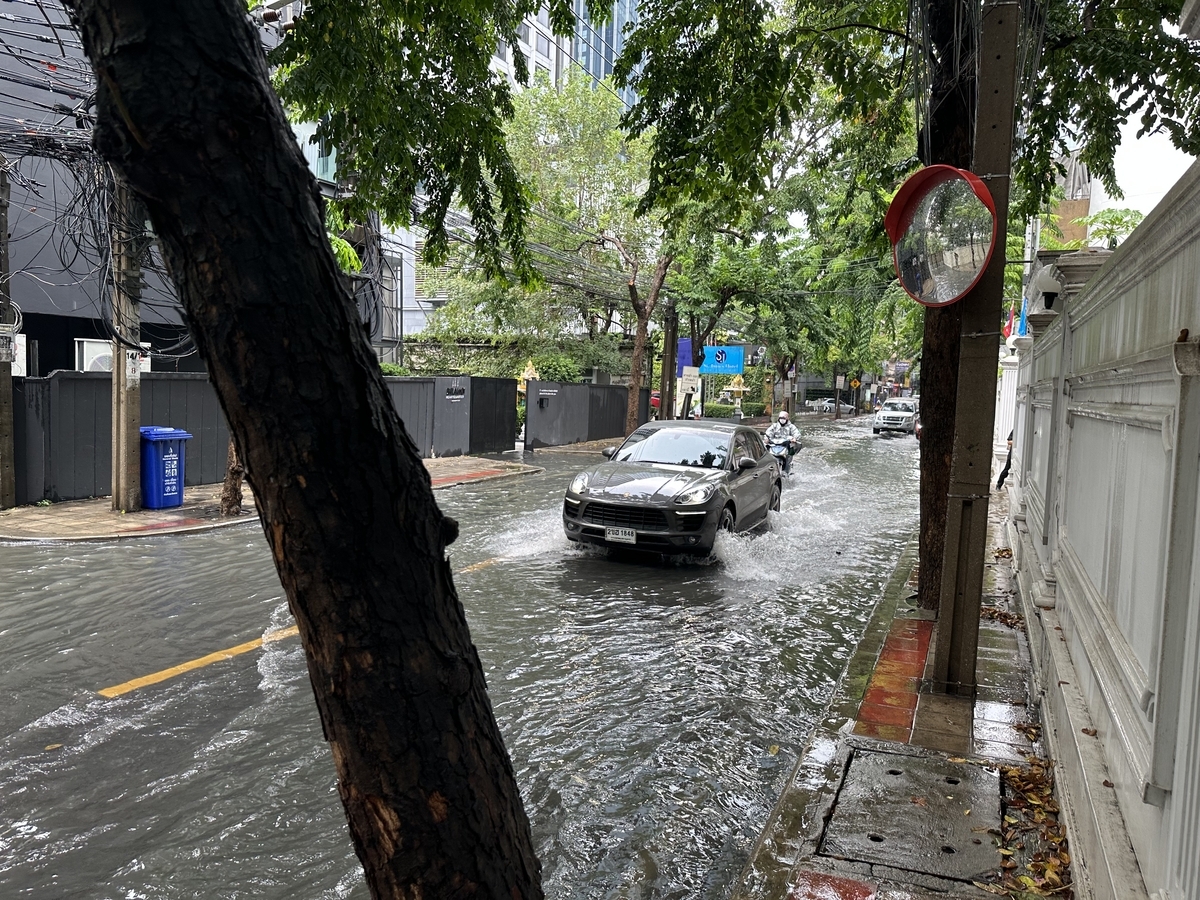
point(904, 205)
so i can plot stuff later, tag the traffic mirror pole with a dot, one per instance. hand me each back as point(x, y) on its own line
point(971, 469)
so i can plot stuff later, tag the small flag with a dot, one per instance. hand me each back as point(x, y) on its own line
point(1008, 326)
point(1023, 326)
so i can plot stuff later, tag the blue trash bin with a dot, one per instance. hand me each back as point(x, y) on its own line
point(163, 456)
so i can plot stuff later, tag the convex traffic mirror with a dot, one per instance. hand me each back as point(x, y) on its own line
point(942, 225)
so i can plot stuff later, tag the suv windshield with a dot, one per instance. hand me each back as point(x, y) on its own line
point(676, 447)
point(898, 406)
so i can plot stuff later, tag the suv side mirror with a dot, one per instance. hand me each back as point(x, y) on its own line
point(608, 452)
point(747, 462)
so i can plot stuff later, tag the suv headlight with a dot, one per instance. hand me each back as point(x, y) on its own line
point(579, 484)
point(695, 495)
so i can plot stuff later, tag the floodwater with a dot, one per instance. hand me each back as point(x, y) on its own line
point(652, 709)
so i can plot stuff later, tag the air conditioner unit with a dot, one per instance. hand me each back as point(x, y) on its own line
point(93, 355)
point(19, 356)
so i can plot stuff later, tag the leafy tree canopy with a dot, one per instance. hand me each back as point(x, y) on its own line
point(405, 92)
point(717, 80)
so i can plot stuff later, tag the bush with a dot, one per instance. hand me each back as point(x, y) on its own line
point(751, 409)
point(393, 369)
point(718, 410)
point(520, 416)
point(556, 367)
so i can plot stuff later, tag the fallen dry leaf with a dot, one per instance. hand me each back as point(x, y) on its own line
point(1090, 732)
point(1003, 616)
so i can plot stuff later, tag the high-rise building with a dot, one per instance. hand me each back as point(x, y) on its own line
point(547, 55)
point(598, 45)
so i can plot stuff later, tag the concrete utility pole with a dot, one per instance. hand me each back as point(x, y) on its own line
point(971, 467)
point(8, 468)
point(125, 223)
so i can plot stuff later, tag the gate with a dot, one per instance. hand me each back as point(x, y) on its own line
point(559, 414)
point(493, 415)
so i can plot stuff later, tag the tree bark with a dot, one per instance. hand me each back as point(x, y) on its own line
point(640, 339)
point(946, 138)
point(643, 309)
point(231, 490)
point(187, 115)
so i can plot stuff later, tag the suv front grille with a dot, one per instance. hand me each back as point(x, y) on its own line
point(625, 517)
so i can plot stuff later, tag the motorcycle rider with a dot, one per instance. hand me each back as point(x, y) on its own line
point(784, 432)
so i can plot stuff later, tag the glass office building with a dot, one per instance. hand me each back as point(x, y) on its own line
point(597, 46)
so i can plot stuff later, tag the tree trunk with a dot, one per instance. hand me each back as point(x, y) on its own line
point(946, 138)
point(231, 490)
point(640, 339)
point(187, 115)
point(643, 308)
point(939, 396)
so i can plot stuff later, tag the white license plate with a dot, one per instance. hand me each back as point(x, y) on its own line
point(620, 535)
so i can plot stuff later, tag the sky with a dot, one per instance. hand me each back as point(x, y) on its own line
point(1146, 169)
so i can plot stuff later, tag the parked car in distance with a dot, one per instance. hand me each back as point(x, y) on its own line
point(829, 405)
point(896, 414)
point(671, 486)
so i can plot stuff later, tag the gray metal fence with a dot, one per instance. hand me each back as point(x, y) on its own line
point(188, 400)
point(413, 399)
point(63, 425)
point(558, 414)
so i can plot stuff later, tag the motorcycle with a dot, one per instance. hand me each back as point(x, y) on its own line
point(783, 453)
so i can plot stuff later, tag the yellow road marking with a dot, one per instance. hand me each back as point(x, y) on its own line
point(272, 636)
point(219, 656)
point(481, 565)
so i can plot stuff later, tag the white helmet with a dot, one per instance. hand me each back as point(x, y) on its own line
point(783, 416)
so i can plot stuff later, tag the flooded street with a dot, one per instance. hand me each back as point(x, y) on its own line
point(652, 709)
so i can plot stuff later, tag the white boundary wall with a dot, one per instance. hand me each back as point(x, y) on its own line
point(1104, 492)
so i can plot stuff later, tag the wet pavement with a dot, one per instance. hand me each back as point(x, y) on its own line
point(96, 520)
point(654, 710)
point(898, 794)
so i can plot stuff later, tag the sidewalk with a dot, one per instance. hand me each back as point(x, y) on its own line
point(906, 793)
point(94, 520)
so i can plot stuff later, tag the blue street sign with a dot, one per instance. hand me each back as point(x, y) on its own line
point(723, 361)
point(683, 356)
point(729, 360)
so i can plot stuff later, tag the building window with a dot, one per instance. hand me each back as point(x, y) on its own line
point(501, 50)
point(543, 45)
point(543, 17)
point(523, 32)
point(542, 70)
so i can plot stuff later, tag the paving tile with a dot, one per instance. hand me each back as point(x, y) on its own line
point(913, 658)
point(1002, 752)
point(879, 697)
point(888, 682)
point(896, 667)
point(885, 715)
point(819, 886)
point(993, 711)
point(941, 713)
point(985, 730)
point(944, 741)
point(898, 733)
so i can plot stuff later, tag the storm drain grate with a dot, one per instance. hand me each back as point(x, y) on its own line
point(919, 814)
